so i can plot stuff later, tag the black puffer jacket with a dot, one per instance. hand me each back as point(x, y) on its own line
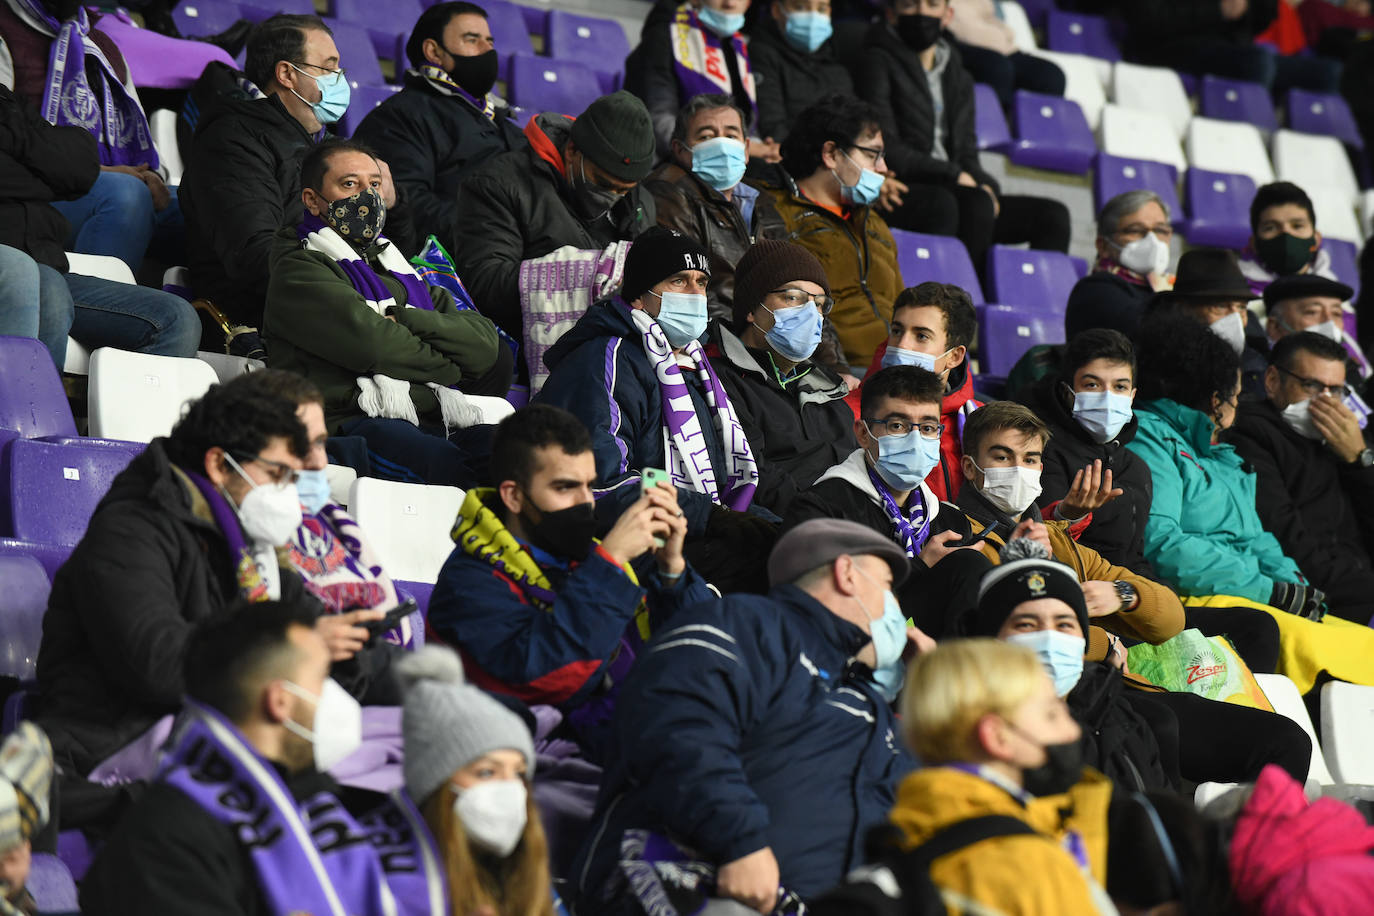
point(787, 79)
point(1152, 26)
point(1116, 739)
point(892, 79)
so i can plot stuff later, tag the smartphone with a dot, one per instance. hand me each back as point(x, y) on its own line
point(996, 528)
point(648, 479)
point(392, 619)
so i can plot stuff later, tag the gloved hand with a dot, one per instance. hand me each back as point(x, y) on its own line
point(1301, 600)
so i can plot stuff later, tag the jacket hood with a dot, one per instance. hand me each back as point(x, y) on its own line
point(548, 133)
point(854, 471)
point(1049, 406)
point(270, 112)
point(607, 318)
point(1194, 426)
point(961, 389)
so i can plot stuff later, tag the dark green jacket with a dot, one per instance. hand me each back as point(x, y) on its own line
point(317, 324)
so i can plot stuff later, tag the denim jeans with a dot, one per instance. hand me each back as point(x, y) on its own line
point(31, 305)
point(400, 450)
point(116, 217)
point(113, 314)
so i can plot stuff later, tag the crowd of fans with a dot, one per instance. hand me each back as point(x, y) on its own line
point(764, 603)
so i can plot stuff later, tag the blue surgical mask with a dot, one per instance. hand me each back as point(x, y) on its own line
point(313, 489)
point(863, 194)
point(723, 24)
point(889, 680)
point(808, 30)
point(904, 461)
point(1060, 653)
point(796, 332)
point(1102, 413)
point(334, 96)
point(896, 356)
point(720, 162)
point(888, 632)
point(682, 317)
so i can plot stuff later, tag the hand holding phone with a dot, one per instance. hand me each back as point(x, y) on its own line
point(392, 619)
point(649, 479)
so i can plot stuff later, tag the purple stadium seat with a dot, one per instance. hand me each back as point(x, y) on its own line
point(1051, 133)
point(356, 54)
point(1218, 208)
point(195, 18)
point(536, 20)
point(383, 30)
point(598, 43)
point(53, 488)
point(421, 592)
point(1237, 100)
point(51, 556)
point(1320, 113)
point(258, 10)
point(1036, 10)
point(936, 257)
point(1031, 281)
point(24, 589)
point(1005, 333)
point(1344, 262)
point(51, 884)
point(509, 33)
point(1081, 33)
point(518, 396)
point(1113, 175)
point(1080, 266)
point(365, 98)
point(990, 123)
point(32, 402)
point(543, 84)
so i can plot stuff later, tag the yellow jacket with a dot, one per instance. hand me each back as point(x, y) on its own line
point(1022, 874)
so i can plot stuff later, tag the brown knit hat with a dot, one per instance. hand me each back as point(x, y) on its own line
point(765, 267)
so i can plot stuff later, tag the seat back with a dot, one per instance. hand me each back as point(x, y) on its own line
point(100, 265)
point(227, 366)
point(1135, 134)
point(1218, 208)
point(509, 33)
point(1156, 89)
point(599, 44)
point(1228, 147)
point(138, 396)
point(409, 525)
point(365, 98)
point(51, 884)
point(941, 258)
point(1336, 212)
point(1081, 33)
point(1237, 100)
point(1030, 281)
point(1310, 161)
point(1325, 114)
point(1367, 213)
point(32, 401)
point(1344, 260)
point(1347, 739)
point(258, 10)
point(1051, 133)
point(163, 125)
point(198, 18)
point(1283, 695)
point(341, 479)
point(50, 556)
point(357, 54)
point(1113, 175)
point(1006, 333)
point(1083, 82)
point(561, 86)
point(24, 589)
point(990, 123)
point(53, 488)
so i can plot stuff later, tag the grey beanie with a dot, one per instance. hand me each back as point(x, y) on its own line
point(447, 723)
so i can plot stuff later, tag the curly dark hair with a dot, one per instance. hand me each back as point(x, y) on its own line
point(240, 417)
point(838, 117)
point(1180, 359)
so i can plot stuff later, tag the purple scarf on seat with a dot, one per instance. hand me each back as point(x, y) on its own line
point(699, 60)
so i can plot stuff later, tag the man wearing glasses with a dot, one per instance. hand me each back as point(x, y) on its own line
point(1133, 236)
point(1314, 469)
point(1309, 302)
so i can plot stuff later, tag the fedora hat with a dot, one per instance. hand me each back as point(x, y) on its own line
point(1209, 274)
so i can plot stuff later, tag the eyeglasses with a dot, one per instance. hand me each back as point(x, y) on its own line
point(1315, 388)
point(793, 298)
point(875, 151)
point(1164, 232)
point(280, 472)
point(898, 427)
point(337, 71)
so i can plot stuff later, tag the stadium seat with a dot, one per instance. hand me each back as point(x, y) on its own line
point(138, 397)
point(1081, 33)
point(1084, 82)
point(52, 488)
point(1030, 281)
point(990, 123)
point(1324, 114)
point(1218, 208)
point(51, 884)
point(365, 98)
point(1283, 695)
point(399, 20)
point(421, 592)
point(599, 44)
point(936, 257)
point(78, 361)
point(541, 84)
point(1051, 133)
point(50, 556)
point(1310, 161)
point(32, 402)
point(1131, 133)
point(357, 54)
point(163, 125)
point(1367, 214)
point(408, 524)
point(258, 10)
point(199, 18)
point(341, 479)
point(493, 409)
point(509, 33)
point(1347, 739)
point(1006, 333)
point(1237, 100)
point(1035, 10)
point(1228, 147)
point(1080, 266)
point(1014, 15)
point(100, 265)
point(1344, 261)
point(24, 589)
point(227, 367)
point(1113, 175)
point(1154, 89)
point(537, 22)
point(1335, 213)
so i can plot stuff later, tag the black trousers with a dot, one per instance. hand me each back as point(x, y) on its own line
point(1254, 634)
point(1007, 73)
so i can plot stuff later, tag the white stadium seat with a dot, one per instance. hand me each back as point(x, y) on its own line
point(1308, 160)
point(1229, 147)
point(1137, 134)
point(1347, 738)
point(1335, 213)
point(138, 397)
point(78, 360)
point(228, 367)
point(1082, 82)
point(1152, 89)
point(340, 483)
point(408, 524)
point(1284, 697)
point(1014, 15)
point(163, 124)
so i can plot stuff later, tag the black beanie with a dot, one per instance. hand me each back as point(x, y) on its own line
point(658, 254)
point(1022, 579)
point(765, 267)
point(617, 135)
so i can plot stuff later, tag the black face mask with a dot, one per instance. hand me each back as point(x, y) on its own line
point(1062, 769)
point(919, 31)
point(567, 533)
point(476, 75)
point(593, 202)
point(1286, 254)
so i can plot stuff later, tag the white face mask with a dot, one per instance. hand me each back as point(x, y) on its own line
point(1328, 329)
point(493, 814)
point(1011, 489)
point(270, 513)
point(338, 729)
point(1232, 330)
point(1298, 416)
point(1146, 255)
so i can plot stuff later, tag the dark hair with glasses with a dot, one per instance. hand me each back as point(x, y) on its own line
point(839, 118)
point(1285, 354)
point(277, 38)
point(241, 416)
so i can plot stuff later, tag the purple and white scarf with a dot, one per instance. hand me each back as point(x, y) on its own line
point(556, 290)
point(684, 444)
point(699, 59)
point(311, 856)
point(913, 525)
point(112, 115)
point(666, 879)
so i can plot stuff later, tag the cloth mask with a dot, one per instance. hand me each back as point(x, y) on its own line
point(904, 461)
point(887, 630)
point(896, 356)
point(796, 332)
point(1232, 330)
point(919, 31)
point(1102, 413)
point(476, 74)
point(1148, 254)
point(1060, 653)
point(1298, 416)
point(1328, 329)
point(338, 729)
point(313, 489)
point(566, 533)
point(720, 162)
point(270, 513)
point(1011, 489)
point(1286, 254)
point(334, 96)
point(493, 813)
point(593, 201)
point(682, 317)
point(865, 192)
point(722, 23)
point(1062, 769)
point(359, 219)
point(807, 30)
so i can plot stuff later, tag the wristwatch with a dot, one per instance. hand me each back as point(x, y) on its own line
point(1128, 595)
point(1365, 459)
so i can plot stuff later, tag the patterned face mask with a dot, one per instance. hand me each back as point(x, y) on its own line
point(359, 219)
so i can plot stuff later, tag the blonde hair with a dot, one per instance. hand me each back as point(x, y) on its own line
point(520, 885)
point(949, 689)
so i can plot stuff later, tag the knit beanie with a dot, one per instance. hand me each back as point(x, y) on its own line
point(658, 254)
point(446, 723)
point(1026, 573)
point(617, 135)
point(766, 266)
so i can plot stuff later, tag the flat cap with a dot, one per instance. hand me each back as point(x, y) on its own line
point(1301, 286)
point(819, 541)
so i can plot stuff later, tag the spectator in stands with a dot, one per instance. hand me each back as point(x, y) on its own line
point(830, 183)
point(392, 355)
point(699, 192)
point(44, 163)
point(242, 814)
point(924, 98)
point(538, 608)
point(633, 372)
point(883, 485)
point(791, 407)
point(1003, 448)
point(1314, 470)
point(26, 773)
point(469, 762)
point(987, 47)
point(752, 733)
point(445, 122)
point(1283, 237)
point(576, 184)
point(1308, 302)
point(1133, 234)
point(794, 62)
point(191, 525)
point(242, 181)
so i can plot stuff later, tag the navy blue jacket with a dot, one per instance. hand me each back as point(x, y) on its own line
point(744, 724)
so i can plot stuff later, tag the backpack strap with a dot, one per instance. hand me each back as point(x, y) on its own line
point(960, 835)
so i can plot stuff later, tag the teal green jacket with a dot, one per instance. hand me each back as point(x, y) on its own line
point(1203, 535)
